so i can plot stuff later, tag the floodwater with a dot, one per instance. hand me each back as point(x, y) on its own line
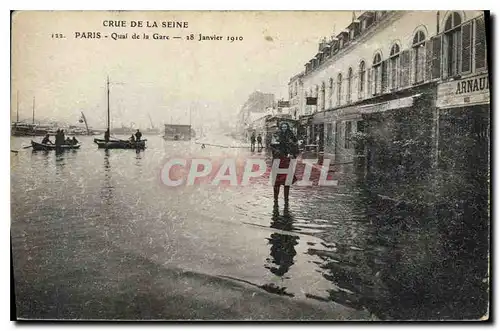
point(97, 235)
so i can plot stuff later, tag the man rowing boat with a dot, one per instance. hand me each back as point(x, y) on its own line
point(46, 140)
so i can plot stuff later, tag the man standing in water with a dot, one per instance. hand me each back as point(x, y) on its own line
point(58, 138)
point(63, 138)
point(138, 135)
point(106, 136)
point(252, 142)
point(284, 149)
point(259, 142)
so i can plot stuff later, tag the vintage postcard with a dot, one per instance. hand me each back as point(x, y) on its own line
point(250, 165)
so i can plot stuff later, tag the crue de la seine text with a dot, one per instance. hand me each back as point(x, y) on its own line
point(145, 24)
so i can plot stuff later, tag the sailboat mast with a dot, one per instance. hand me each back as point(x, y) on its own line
point(107, 86)
point(152, 126)
point(17, 98)
point(86, 125)
point(33, 110)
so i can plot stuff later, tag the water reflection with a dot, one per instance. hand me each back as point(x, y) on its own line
point(386, 257)
point(282, 248)
point(407, 263)
point(107, 187)
point(45, 157)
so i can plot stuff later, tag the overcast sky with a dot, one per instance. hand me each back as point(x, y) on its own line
point(162, 78)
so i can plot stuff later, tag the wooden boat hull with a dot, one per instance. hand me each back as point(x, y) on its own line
point(120, 144)
point(44, 147)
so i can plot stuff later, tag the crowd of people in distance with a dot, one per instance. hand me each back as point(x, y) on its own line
point(259, 142)
point(60, 139)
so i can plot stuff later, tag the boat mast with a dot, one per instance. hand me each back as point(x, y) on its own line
point(33, 110)
point(152, 126)
point(86, 125)
point(17, 117)
point(107, 86)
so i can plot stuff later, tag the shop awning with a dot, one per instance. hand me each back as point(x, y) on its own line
point(305, 120)
point(388, 105)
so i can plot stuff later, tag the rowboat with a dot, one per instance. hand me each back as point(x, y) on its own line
point(48, 147)
point(120, 144)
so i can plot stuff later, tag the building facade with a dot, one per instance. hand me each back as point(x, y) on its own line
point(391, 74)
point(296, 95)
point(256, 106)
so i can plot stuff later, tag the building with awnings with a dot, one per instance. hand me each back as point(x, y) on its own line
point(382, 75)
point(378, 56)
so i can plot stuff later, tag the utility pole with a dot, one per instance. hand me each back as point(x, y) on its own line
point(107, 87)
point(33, 110)
point(17, 98)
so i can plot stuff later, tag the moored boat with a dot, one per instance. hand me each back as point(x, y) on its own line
point(120, 144)
point(49, 147)
point(108, 143)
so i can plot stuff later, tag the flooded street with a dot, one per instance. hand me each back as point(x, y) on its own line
point(96, 234)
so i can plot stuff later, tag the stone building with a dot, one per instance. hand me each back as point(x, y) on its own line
point(394, 75)
point(295, 95)
point(256, 106)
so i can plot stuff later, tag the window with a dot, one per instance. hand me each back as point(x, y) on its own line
point(480, 44)
point(330, 96)
point(348, 134)
point(309, 107)
point(349, 85)
point(369, 21)
point(377, 74)
point(316, 95)
point(380, 14)
point(418, 46)
point(394, 63)
point(323, 103)
point(362, 74)
point(335, 47)
point(339, 88)
point(452, 44)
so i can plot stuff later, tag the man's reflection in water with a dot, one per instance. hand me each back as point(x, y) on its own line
point(282, 248)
